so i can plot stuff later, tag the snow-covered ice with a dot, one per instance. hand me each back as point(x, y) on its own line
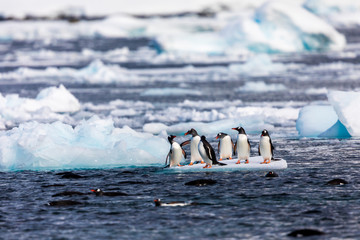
point(91, 144)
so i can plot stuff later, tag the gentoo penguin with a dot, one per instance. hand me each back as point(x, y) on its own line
point(225, 146)
point(159, 203)
point(265, 147)
point(208, 153)
point(99, 192)
point(175, 154)
point(242, 145)
point(194, 146)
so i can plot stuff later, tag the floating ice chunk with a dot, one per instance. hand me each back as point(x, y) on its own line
point(260, 64)
point(340, 13)
point(169, 92)
point(315, 119)
point(261, 87)
point(45, 107)
point(154, 128)
point(346, 105)
point(58, 99)
point(94, 143)
point(281, 27)
point(252, 125)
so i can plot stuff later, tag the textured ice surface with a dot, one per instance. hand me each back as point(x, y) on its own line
point(91, 144)
point(340, 119)
point(170, 92)
point(47, 106)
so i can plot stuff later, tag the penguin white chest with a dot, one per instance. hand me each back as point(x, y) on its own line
point(194, 149)
point(265, 147)
point(243, 148)
point(226, 147)
point(202, 152)
point(176, 154)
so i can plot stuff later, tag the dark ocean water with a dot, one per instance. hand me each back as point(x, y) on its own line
point(241, 205)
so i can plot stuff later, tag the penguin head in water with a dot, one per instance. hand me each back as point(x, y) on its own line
point(221, 135)
point(240, 130)
point(192, 131)
point(97, 191)
point(265, 133)
point(157, 202)
point(171, 138)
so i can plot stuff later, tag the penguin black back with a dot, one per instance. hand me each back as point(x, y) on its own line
point(210, 151)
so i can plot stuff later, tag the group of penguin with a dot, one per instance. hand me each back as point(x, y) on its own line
point(202, 151)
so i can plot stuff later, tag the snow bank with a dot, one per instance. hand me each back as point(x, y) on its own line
point(47, 106)
point(94, 143)
point(340, 119)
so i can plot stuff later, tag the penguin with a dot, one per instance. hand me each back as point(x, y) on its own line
point(159, 203)
point(175, 154)
point(99, 192)
point(265, 147)
point(242, 145)
point(225, 146)
point(208, 153)
point(194, 146)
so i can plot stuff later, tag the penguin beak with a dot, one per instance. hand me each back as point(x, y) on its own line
point(186, 133)
point(234, 128)
point(217, 137)
point(93, 190)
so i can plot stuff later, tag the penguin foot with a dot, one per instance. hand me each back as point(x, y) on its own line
point(180, 165)
point(266, 161)
point(202, 162)
point(206, 166)
point(247, 161)
point(230, 158)
point(220, 159)
point(238, 162)
point(191, 163)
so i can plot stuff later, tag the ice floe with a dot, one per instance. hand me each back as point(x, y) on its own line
point(261, 86)
point(339, 119)
point(94, 143)
point(49, 105)
point(170, 92)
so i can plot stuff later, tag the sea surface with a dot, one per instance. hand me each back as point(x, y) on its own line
point(241, 204)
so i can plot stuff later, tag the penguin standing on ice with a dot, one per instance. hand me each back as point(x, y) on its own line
point(194, 146)
point(225, 146)
point(265, 147)
point(208, 153)
point(242, 145)
point(175, 154)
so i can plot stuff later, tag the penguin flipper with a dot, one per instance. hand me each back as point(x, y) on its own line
point(234, 148)
point(183, 152)
point(185, 143)
point(259, 150)
point(249, 144)
point(272, 147)
point(218, 147)
point(167, 157)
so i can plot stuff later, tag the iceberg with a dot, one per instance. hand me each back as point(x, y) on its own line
point(339, 120)
point(94, 143)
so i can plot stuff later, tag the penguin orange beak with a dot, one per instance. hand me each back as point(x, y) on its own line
point(234, 129)
point(186, 133)
point(93, 190)
point(217, 137)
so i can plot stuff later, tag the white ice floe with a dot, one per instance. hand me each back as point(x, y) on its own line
point(47, 106)
point(275, 26)
point(261, 86)
point(340, 119)
point(94, 143)
point(258, 65)
point(170, 92)
point(340, 13)
point(96, 72)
